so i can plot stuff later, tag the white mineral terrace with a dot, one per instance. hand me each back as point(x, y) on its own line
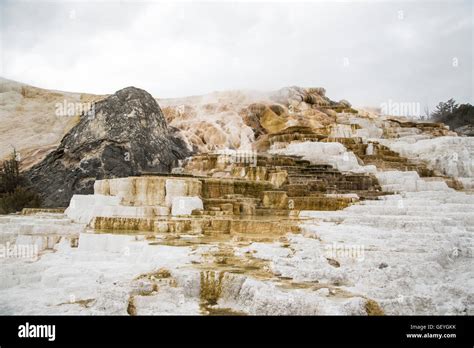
point(139, 197)
point(406, 253)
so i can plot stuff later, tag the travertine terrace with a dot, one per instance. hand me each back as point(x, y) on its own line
point(290, 204)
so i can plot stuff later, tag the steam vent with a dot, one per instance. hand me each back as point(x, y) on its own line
point(239, 203)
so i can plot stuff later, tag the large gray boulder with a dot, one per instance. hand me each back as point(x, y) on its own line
point(124, 135)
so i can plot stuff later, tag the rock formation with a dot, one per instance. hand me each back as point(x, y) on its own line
point(123, 135)
point(294, 204)
point(243, 119)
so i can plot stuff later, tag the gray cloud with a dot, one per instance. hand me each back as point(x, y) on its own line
point(367, 52)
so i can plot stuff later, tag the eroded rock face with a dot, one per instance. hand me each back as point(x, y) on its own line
point(244, 119)
point(124, 135)
point(31, 121)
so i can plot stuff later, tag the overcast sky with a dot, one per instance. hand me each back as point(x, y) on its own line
point(366, 52)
